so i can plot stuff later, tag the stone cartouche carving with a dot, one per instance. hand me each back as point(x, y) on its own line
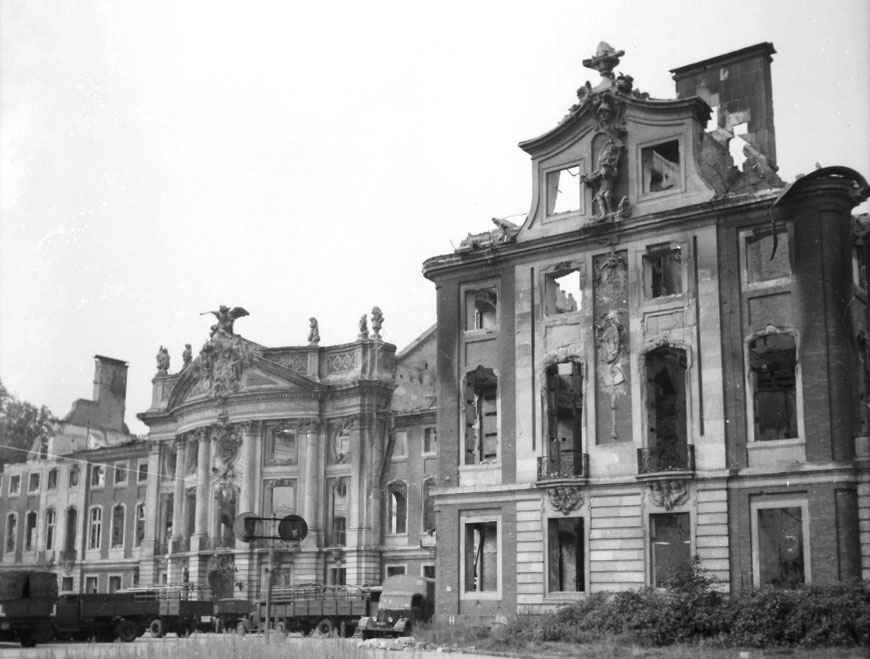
point(225, 319)
point(377, 321)
point(221, 364)
point(565, 498)
point(667, 494)
point(313, 332)
point(162, 361)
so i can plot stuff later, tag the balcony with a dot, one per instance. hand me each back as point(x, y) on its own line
point(665, 458)
point(564, 465)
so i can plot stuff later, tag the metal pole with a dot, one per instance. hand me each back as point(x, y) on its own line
point(269, 591)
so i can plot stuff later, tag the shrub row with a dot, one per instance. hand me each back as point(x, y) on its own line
point(809, 616)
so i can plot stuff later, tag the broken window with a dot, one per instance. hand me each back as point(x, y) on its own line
point(663, 271)
point(481, 557)
point(400, 445)
point(481, 416)
point(428, 571)
point(394, 570)
point(480, 309)
point(50, 526)
point(780, 547)
point(33, 483)
point(670, 546)
point(11, 532)
point(428, 507)
point(339, 531)
point(91, 584)
point(14, 484)
point(565, 554)
point(397, 508)
point(564, 400)
point(281, 497)
point(666, 410)
point(563, 190)
point(69, 545)
point(430, 440)
point(118, 519)
point(98, 475)
point(95, 529)
point(52, 479)
point(767, 255)
point(661, 167)
point(114, 583)
point(562, 292)
point(74, 471)
point(142, 473)
point(773, 367)
point(281, 447)
point(121, 473)
point(140, 525)
point(30, 521)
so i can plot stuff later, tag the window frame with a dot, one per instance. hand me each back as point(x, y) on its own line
point(550, 199)
point(646, 269)
point(468, 295)
point(10, 533)
point(112, 532)
point(34, 480)
point(549, 284)
point(430, 432)
point(766, 503)
point(465, 521)
point(31, 533)
point(52, 479)
point(759, 231)
point(642, 193)
point(137, 540)
point(50, 525)
point(584, 537)
point(477, 452)
point(97, 476)
point(95, 540)
point(651, 541)
point(15, 485)
point(118, 468)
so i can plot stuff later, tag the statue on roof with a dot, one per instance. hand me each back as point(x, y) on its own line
point(162, 361)
point(313, 332)
point(186, 356)
point(363, 327)
point(377, 321)
point(225, 319)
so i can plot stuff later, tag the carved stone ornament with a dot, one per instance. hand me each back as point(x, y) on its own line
point(222, 362)
point(610, 334)
point(611, 278)
point(341, 442)
point(228, 441)
point(565, 498)
point(222, 564)
point(162, 361)
point(668, 494)
point(226, 487)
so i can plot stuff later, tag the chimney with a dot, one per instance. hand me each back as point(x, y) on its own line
point(737, 85)
point(110, 391)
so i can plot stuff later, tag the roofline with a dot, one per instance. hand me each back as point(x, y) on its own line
point(420, 339)
point(111, 360)
point(765, 47)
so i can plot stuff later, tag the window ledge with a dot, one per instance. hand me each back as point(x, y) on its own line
point(776, 452)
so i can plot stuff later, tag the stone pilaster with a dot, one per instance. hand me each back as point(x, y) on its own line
point(178, 499)
point(203, 500)
point(248, 474)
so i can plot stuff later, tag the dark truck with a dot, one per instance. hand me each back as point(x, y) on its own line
point(182, 609)
point(104, 616)
point(27, 599)
point(405, 601)
point(321, 610)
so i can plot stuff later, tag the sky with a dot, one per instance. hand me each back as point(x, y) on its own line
point(160, 159)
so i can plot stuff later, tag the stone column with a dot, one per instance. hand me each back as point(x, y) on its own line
point(152, 505)
point(178, 499)
point(247, 471)
point(203, 500)
point(311, 510)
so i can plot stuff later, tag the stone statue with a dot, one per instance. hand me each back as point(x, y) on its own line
point(377, 321)
point(187, 355)
point(225, 319)
point(363, 327)
point(162, 361)
point(314, 332)
point(605, 177)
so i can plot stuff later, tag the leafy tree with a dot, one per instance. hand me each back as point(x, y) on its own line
point(21, 423)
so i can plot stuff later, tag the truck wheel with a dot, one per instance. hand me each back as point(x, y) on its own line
point(26, 639)
point(43, 632)
point(126, 630)
point(324, 628)
point(241, 628)
point(157, 628)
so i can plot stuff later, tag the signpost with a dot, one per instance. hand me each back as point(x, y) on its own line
point(248, 527)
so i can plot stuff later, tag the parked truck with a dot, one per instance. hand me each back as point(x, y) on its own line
point(322, 610)
point(182, 609)
point(27, 599)
point(104, 616)
point(405, 601)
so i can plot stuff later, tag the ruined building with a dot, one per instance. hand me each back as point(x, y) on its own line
point(666, 360)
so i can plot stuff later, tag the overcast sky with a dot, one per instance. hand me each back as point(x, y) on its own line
point(159, 159)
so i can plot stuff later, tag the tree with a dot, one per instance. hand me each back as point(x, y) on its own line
point(21, 424)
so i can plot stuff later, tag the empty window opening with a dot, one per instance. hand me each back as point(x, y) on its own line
point(98, 475)
point(563, 191)
point(564, 399)
point(118, 518)
point(11, 532)
point(74, 475)
point(738, 143)
point(397, 509)
point(481, 557)
point(773, 364)
point(666, 408)
point(395, 570)
point(563, 292)
point(121, 473)
point(283, 499)
point(91, 585)
point(30, 521)
point(663, 271)
point(69, 545)
point(33, 483)
point(165, 525)
point(140, 525)
point(430, 440)
point(50, 526)
point(282, 448)
point(52, 479)
point(565, 555)
point(428, 571)
point(763, 263)
point(661, 167)
point(781, 547)
point(114, 584)
point(859, 266)
point(480, 309)
point(428, 507)
point(670, 547)
point(14, 484)
point(481, 416)
point(142, 474)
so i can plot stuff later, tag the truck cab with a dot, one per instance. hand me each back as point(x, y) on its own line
point(405, 601)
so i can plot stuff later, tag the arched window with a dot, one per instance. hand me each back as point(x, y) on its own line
point(140, 524)
point(72, 524)
point(50, 526)
point(95, 527)
point(11, 532)
point(30, 522)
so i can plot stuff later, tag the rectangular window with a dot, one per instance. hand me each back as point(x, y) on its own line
point(50, 526)
point(563, 190)
point(30, 521)
point(481, 557)
point(66, 584)
point(118, 525)
point(661, 167)
point(781, 561)
point(667, 414)
point(564, 401)
point(14, 485)
point(33, 484)
point(338, 576)
point(52, 479)
point(11, 532)
point(121, 469)
point(395, 570)
point(663, 271)
point(481, 309)
point(281, 447)
point(140, 524)
point(565, 556)
point(96, 528)
point(74, 475)
point(98, 475)
point(430, 440)
point(282, 500)
point(481, 416)
point(428, 571)
point(670, 546)
point(114, 583)
point(763, 262)
point(142, 472)
point(400, 445)
point(563, 291)
point(91, 584)
point(339, 532)
point(773, 371)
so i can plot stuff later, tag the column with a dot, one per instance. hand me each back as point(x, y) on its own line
point(178, 498)
point(203, 476)
point(312, 512)
point(152, 503)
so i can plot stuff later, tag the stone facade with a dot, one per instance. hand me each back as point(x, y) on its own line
point(658, 364)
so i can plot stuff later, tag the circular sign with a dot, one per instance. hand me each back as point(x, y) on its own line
point(292, 528)
point(245, 526)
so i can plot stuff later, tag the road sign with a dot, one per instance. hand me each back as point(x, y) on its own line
point(292, 528)
point(245, 527)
